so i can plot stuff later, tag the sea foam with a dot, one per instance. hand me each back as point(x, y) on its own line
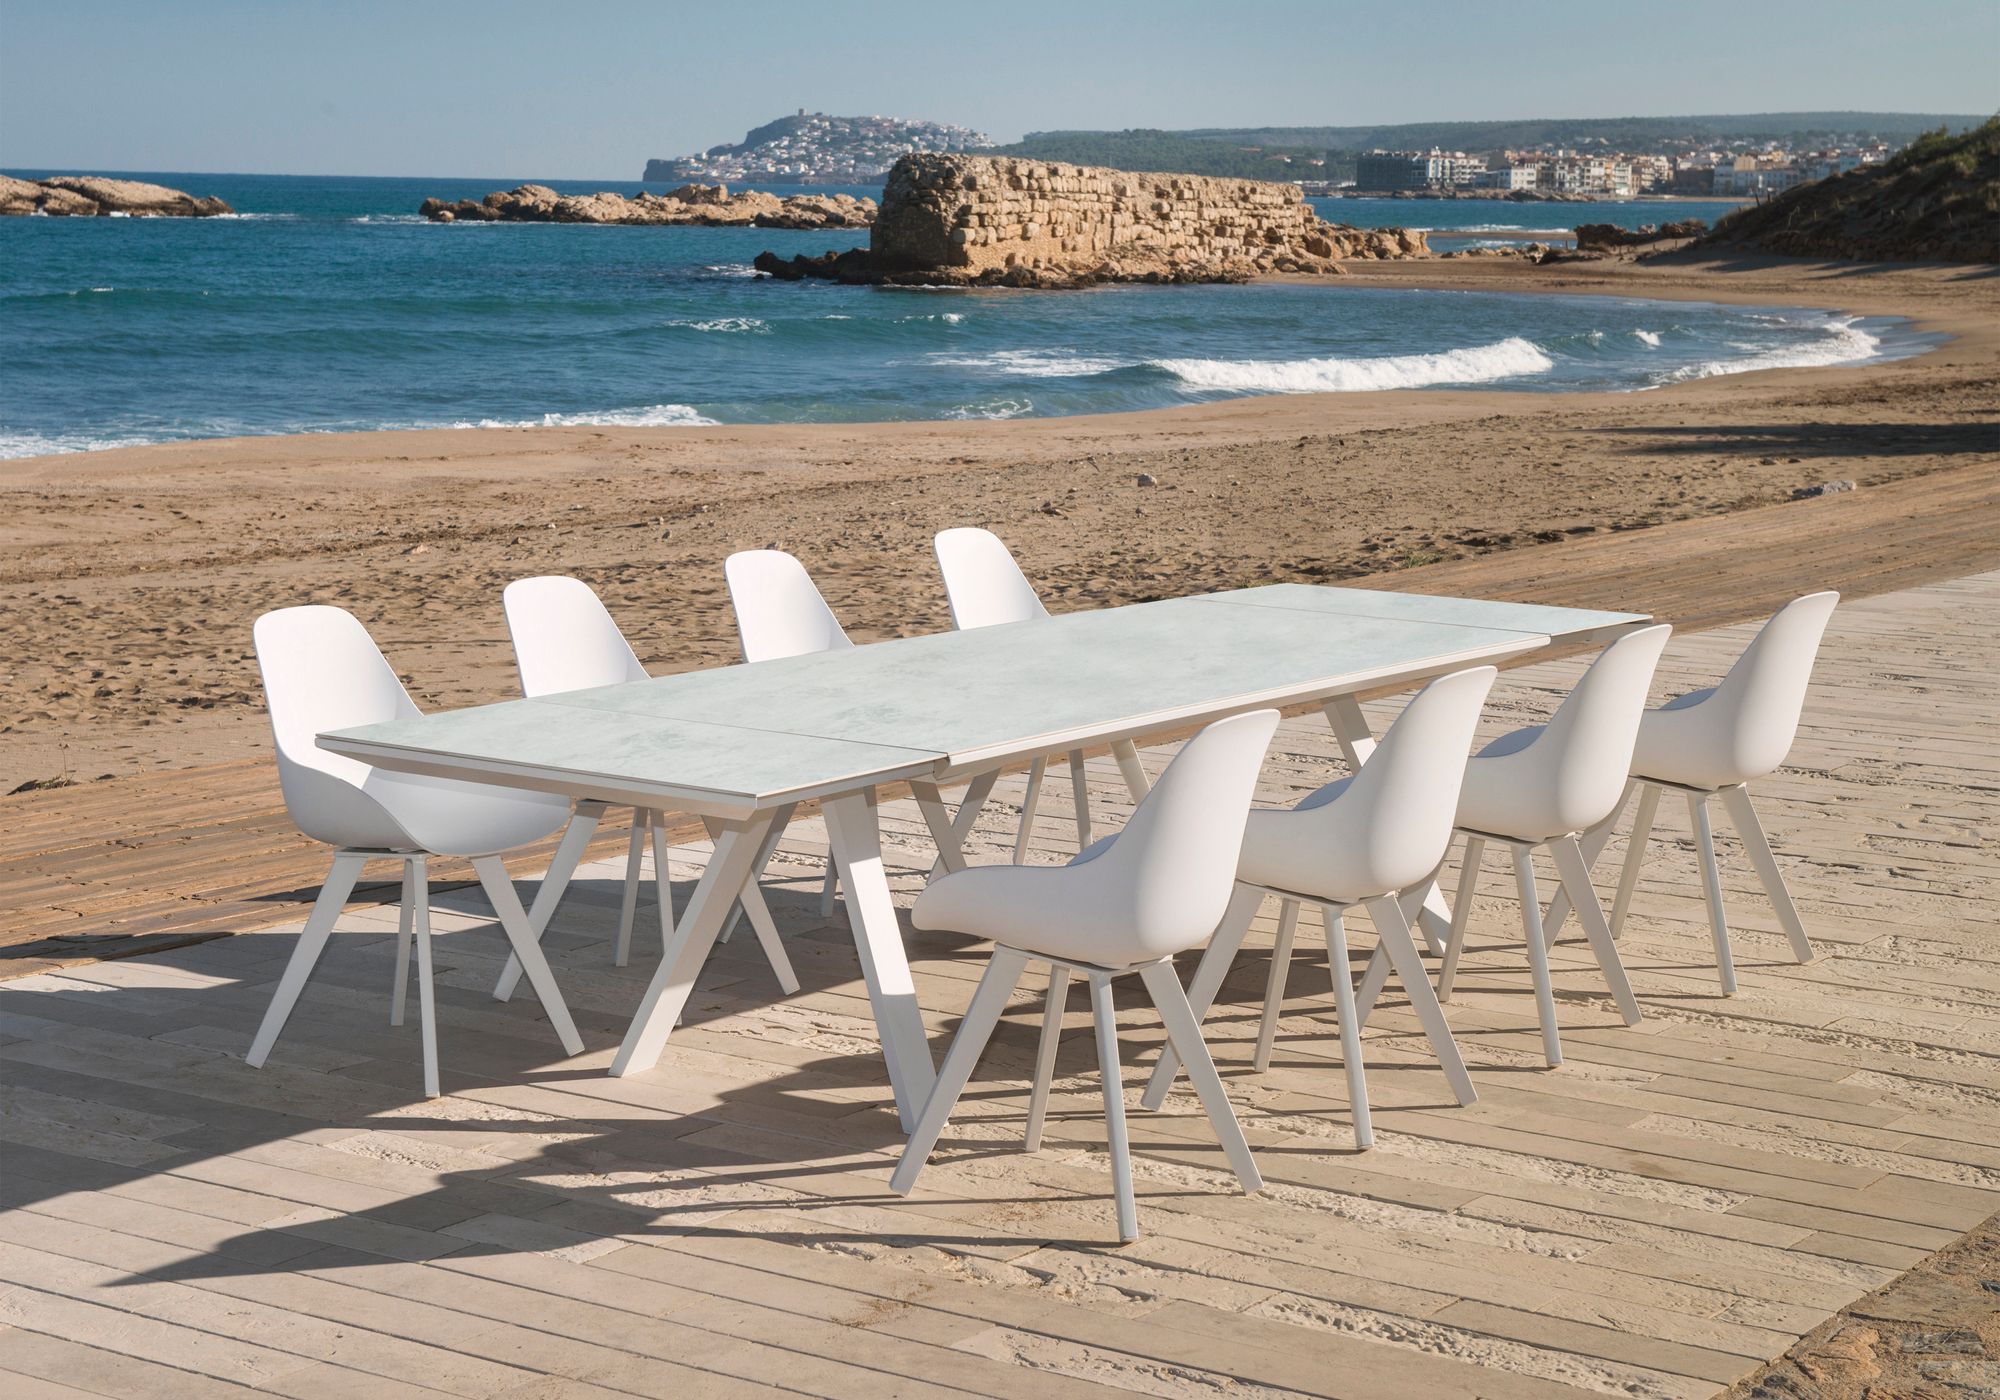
point(1511, 358)
point(1843, 342)
point(1034, 364)
point(659, 415)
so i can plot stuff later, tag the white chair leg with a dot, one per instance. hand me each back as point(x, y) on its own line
point(399, 997)
point(1350, 1024)
point(326, 909)
point(1105, 1015)
point(1743, 816)
point(499, 889)
point(1400, 947)
point(1029, 805)
point(995, 986)
point(663, 881)
point(1184, 1032)
point(621, 951)
point(1215, 963)
point(1635, 854)
point(1593, 842)
point(1538, 953)
point(1575, 871)
point(426, 1001)
point(1079, 790)
point(1274, 989)
point(1045, 1056)
point(1461, 907)
point(548, 895)
point(829, 888)
point(1711, 889)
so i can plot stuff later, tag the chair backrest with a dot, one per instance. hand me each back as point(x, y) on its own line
point(563, 637)
point(982, 580)
point(323, 671)
point(778, 610)
point(1391, 826)
point(1759, 701)
point(1174, 864)
point(1575, 771)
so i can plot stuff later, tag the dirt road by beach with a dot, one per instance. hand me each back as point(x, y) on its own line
point(130, 578)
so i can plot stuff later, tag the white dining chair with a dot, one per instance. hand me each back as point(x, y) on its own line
point(565, 639)
point(986, 588)
point(1126, 904)
point(1364, 840)
point(780, 614)
point(1538, 788)
point(1712, 743)
point(321, 672)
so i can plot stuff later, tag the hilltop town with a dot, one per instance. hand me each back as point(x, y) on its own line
point(812, 148)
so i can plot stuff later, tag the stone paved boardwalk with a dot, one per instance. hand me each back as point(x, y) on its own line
point(1674, 1206)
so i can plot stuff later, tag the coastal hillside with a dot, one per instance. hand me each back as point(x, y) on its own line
point(813, 148)
point(1938, 200)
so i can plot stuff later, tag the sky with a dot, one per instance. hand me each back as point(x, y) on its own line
point(589, 89)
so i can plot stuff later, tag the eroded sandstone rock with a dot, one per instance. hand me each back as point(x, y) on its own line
point(89, 195)
point(711, 205)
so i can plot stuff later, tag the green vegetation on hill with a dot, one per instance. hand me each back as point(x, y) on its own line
point(1938, 199)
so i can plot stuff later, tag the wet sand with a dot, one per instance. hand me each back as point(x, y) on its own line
point(130, 578)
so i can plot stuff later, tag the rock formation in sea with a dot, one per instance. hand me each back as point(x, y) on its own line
point(996, 221)
point(689, 204)
point(87, 195)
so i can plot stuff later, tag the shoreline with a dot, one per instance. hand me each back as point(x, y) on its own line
point(133, 573)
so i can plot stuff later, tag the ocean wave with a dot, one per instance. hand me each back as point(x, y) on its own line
point(1843, 343)
point(32, 444)
point(1651, 338)
point(264, 217)
point(727, 325)
point(730, 270)
point(659, 415)
point(1033, 364)
point(950, 318)
point(991, 409)
point(1511, 358)
point(387, 219)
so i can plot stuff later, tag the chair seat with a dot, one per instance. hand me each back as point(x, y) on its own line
point(450, 818)
point(1684, 743)
point(1489, 800)
point(1045, 911)
point(1283, 852)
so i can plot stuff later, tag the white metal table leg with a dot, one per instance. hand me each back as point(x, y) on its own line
point(751, 902)
point(326, 909)
point(569, 851)
point(1079, 791)
point(1743, 816)
point(996, 984)
point(628, 904)
point(878, 939)
point(949, 832)
point(1045, 1056)
point(1215, 964)
point(1131, 769)
point(663, 879)
point(1394, 930)
point(1357, 741)
point(1029, 802)
point(732, 863)
point(492, 873)
point(780, 821)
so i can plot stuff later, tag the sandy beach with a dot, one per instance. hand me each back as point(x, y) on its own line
point(132, 576)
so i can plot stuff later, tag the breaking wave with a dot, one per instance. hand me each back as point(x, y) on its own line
point(1651, 338)
point(1844, 342)
point(1033, 364)
point(1511, 358)
point(727, 325)
point(659, 415)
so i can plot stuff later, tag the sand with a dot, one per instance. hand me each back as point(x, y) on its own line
point(130, 578)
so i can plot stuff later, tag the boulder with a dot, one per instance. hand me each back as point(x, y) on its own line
point(687, 204)
point(82, 195)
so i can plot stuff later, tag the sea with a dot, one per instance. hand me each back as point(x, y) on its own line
point(327, 305)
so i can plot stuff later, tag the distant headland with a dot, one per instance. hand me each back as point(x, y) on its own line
point(812, 148)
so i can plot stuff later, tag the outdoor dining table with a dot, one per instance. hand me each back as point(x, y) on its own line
point(742, 745)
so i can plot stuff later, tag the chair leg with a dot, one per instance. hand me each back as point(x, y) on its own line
point(1045, 1056)
point(663, 881)
point(1350, 1025)
point(1274, 990)
point(399, 997)
point(995, 986)
point(1468, 881)
point(326, 909)
point(1029, 805)
point(829, 889)
point(492, 873)
point(426, 1002)
point(1574, 868)
point(1593, 842)
point(621, 951)
point(1635, 854)
point(1185, 1033)
point(1079, 791)
point(1105, 1014)
point(1743, 816)
point(1400, 948)
point(1215, 962)
point(1711, 889)
point(1538, 953)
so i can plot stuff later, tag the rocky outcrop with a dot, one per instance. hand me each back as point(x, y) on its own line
point(690, 204)
point(89, 196)
point(997, 221)
point(1605, 238)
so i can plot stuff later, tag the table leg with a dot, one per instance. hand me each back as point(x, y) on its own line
point(1357, 741)
point(549, 893)
point(878, 939)
point(1131, 769)
point(729, 866)
point(950, 832)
